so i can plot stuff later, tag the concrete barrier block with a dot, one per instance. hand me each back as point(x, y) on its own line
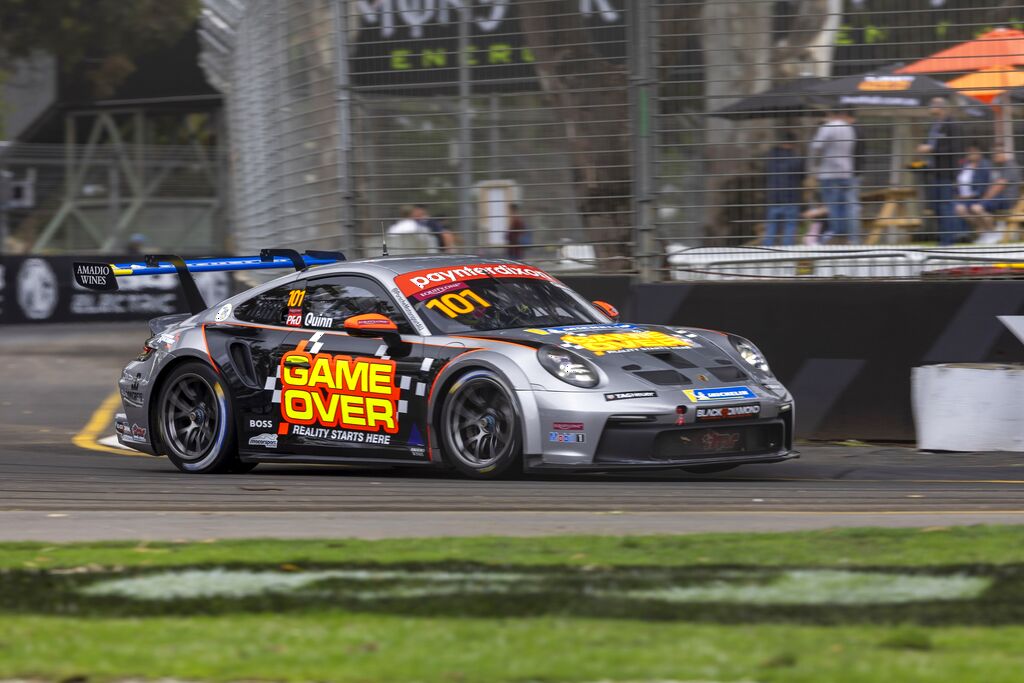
point(969, 407)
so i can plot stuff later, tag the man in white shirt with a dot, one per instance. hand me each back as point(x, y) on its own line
point(409, 236)
point(832, 152)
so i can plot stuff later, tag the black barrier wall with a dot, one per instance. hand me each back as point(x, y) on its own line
point(614, 289)
point(845, 349)
point(41, 290)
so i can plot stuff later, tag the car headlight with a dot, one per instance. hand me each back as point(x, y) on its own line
point(749, 353)
point(570, 367)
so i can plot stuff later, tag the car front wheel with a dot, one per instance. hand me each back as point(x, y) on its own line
point(480, 426)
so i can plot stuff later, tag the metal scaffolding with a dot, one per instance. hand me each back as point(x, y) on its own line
point(115, 184)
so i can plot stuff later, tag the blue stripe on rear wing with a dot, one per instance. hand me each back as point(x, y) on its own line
point(103, 276)
point(214, 265)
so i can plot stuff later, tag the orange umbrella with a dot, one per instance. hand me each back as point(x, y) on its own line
point(987, 84)
point(999, 47)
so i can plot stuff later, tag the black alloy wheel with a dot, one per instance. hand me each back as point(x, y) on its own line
point(480, 426)
point(195, 420)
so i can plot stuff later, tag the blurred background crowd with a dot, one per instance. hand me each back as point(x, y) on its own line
point(581, 135)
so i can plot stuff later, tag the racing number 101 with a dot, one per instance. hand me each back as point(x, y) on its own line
point(295, 297)
point(457, 303)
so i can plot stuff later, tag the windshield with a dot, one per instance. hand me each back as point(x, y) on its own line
point(488, 302)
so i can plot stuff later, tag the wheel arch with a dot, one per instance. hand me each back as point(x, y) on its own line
point(158, 385)
point(521, 392)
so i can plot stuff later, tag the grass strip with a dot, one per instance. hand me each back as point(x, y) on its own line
point(342, 647)
point(837, 547)
point(450, 644)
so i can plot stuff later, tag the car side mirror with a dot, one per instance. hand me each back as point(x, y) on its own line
point(370, 325)
point(375, 325)
point(607, 309)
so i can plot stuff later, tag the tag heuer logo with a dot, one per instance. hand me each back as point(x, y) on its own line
point(622, 395)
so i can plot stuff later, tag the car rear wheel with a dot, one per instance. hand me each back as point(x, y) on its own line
point(480, 427)
point(196, 421)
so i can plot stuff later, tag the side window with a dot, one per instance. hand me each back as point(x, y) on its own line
point(330, 301)
point(278, 306)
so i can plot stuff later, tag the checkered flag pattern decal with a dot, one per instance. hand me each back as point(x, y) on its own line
point(406, 383)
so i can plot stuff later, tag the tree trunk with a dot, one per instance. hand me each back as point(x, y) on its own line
point(737, 39)
point(741, 59)
point(590, 95)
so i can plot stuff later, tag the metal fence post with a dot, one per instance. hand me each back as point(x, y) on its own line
point(465, 132)
point(640, 50)
point(5, 199)
point(344, 117)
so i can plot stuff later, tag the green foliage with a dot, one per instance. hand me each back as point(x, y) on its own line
point(104, 36)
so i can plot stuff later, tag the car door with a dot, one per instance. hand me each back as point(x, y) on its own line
point(248, 351)
point(346, 397)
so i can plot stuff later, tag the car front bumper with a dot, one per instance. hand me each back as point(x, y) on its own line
point(585, 430)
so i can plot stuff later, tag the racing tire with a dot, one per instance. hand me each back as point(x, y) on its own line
point(480, 427)
point(196, 421)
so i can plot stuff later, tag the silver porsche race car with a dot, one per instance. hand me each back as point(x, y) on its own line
point(484, 365)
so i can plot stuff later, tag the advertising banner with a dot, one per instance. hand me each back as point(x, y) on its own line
point(407, 44)
point(41, 289)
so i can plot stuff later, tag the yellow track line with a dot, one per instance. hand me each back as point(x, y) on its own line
point(882, 481)
point(100, 421)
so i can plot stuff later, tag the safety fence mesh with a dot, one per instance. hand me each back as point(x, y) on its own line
point(679, 139)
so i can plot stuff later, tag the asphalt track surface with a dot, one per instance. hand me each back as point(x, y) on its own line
point(56, 388)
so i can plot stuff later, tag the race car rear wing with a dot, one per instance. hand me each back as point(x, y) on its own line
point(102, 277)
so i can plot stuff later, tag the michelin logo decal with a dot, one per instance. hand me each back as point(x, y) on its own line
point(719, 394)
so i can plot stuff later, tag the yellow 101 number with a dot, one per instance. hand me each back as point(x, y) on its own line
point(295, 297)
point(458, 303)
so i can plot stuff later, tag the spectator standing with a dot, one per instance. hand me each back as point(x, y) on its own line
point(517, 236)
point(136, 245)
point(409, 236)
point(832, 160)
point(784, 167)
point(999, 196)
point(944, 148)
point(860, 154)
point(444, 236)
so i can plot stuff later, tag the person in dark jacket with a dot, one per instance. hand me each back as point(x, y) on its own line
point(785, 168)
point(944, 148)
point(518, 237)
point(973, 180)
point(998, 194)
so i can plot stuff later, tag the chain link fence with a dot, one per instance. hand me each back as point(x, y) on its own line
point(677, 139)
point(106, 188)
